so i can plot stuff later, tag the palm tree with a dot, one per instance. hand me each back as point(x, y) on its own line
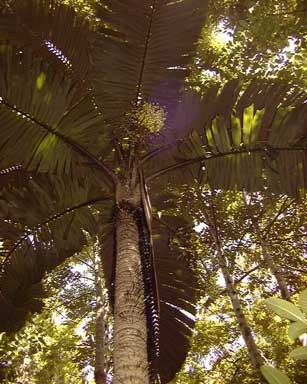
point(95, 121)
point(79, 113)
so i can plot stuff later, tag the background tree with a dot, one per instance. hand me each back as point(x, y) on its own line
point(218, 352)
point(49, 348)
point(253, 39)
point(74, 306)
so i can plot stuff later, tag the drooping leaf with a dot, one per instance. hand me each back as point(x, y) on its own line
point(299, 353)
point(302, 300)
point(274, 375)
point(285, 309)
point(296, 329)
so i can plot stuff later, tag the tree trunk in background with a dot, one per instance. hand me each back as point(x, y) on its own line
point(130, 328)
point(281, 282)
point(100, 377)
point(244, 327)
point(274, 268)
point(253, 352)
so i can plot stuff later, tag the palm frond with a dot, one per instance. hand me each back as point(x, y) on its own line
point(142, 52)
point(43, 224)
point(51, 29)
point(238, 139)
point(42, 127)
point(177, 287)
point(13, 176)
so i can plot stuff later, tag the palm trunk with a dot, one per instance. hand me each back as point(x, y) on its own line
point(130, 330)
point(100, 317)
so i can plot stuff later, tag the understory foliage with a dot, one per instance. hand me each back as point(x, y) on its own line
point(43, 351)
point(166, 110)
point(218, 353)
point(58, 344)
point(48, 348)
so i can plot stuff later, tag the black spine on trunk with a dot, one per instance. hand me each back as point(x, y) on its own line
point(150, 297)
point(152, 316)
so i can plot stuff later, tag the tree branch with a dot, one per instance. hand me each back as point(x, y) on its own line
point(246, 274)
point(84, 262)
point(281, 210)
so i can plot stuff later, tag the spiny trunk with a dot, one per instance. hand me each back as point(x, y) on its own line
point(274, 268)
point(130, 330)
point(100, 315)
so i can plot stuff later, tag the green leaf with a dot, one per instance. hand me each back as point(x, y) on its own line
point(236, 130)
point(299, 353)
point(257, 120)
point(247, 123)
point(296, 329)
point(40, 81)
point(285, 309)
point(274, 375)
point(302, 300)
